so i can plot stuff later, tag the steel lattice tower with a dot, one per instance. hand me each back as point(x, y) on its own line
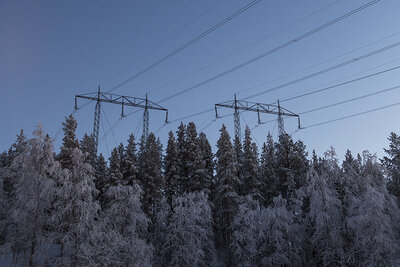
point(123, 101)
point(256, 107)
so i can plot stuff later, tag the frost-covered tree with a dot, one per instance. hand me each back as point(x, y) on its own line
point(171, 169)
point(324, 222)
point(190, 239)
point(88, 145)
point(101, 173)
point(75, 215)
point(251, 183)
point(115, 175)
point(279, 243)
point(226, 197)
point(150, 170)
point(69, 142)
point(181, 147)
point(126, 225)
point(34, 170)
point(392, 164)
point(245, 240)
point(292, 164)
point(268, 171)
point(130, 164)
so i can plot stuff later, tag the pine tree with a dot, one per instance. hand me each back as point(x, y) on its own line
point(171, 169)
point(250, 168)
point(226, 199)
point(34, 170)
point(189, 234)
point(69, 142)
point(130, 165)
point(75, 215)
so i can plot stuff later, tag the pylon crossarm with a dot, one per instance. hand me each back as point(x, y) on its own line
point(125, 100)
point(256, 107)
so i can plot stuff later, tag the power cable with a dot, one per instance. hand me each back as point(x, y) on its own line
point(108, 122)
point(303, 36)
point(164, 41)
point(325, 70)
point(189, 43)
point(243, 48)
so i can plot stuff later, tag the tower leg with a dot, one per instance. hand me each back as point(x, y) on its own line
point(96, 124)
point(281, 126)
point(146, 123)
point(238, 131)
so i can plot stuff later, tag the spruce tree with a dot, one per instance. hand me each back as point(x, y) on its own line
point(269, 166)
point(130, 164)
point(115, 169)
point(87, 145)
point(69, 142)
point(392, 164)
point(171, 169)
point(226, 198)
point(208, 159)
point(250, 168)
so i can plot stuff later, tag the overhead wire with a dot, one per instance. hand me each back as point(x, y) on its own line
point(108, 122)
point(187, 44)
point(244, 48)
point(269, 52)
point(337, 66)
point(164, 41)
point(316, 65)
point(352, 115)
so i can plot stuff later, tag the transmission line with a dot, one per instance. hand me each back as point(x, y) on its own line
point(243, 48)
point(340, 84)
point(352, 115)
point(284, 45)
point(189, 43)
point(325, 70)
point(165, 40)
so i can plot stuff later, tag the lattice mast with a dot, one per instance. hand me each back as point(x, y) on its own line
point(259, 108)
point(101, 97)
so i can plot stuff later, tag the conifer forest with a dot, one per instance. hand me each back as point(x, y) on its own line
point(187, 205)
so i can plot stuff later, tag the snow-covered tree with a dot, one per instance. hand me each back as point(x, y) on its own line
point(268, 169)
point(34, 170)
point(251, 183)
point(392, 164)
point(69, 142)
point(126, 225)
point(150, 169)
point(171, 169)
point(324, 222)
point(88, 145)
point(190, 239)
point(115, 175)
point(245, 240)
point(130, 165)
point(226, 197)
point(75, 215)
point(101, 174)
point(279, 243)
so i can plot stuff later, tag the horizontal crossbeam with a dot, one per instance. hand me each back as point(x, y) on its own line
point(257, 107)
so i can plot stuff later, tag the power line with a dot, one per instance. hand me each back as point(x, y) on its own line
point(108, 122)
point(318, 64)
point(340, 84)
point(243, 48)
point(325, 70)
point(189, 43)
point(351, 99)
point(352, 115)
point(165, 40)
point(303, 36)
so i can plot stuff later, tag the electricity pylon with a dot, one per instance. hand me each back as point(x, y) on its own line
point(256, 107)
point(123, 101)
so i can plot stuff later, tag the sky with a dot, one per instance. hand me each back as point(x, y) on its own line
point(52, 50)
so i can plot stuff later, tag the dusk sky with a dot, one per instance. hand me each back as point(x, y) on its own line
point(52, 50)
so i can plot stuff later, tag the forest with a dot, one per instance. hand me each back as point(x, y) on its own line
point(187, 205)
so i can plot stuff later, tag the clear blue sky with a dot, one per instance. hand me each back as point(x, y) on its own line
point(52, 50)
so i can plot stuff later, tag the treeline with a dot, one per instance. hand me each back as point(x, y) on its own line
point(190, 207)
